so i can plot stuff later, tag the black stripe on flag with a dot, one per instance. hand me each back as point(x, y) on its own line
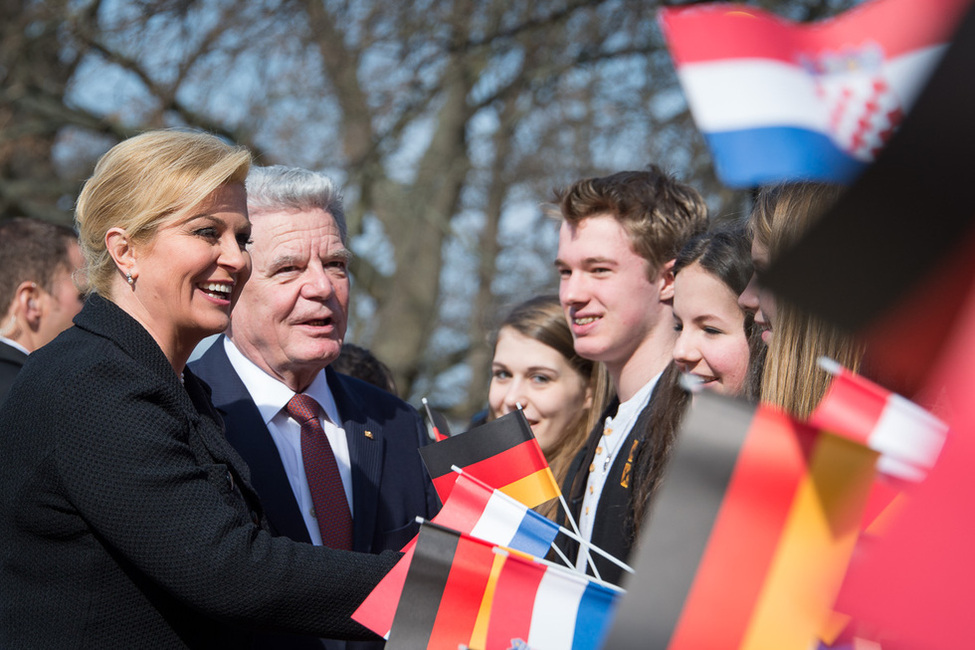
point(682, 516)
point(480, 443)
point(424, 587)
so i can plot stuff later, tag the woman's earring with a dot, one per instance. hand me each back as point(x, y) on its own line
point(130, 279)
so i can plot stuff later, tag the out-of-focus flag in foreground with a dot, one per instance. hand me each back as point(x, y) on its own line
point(461, 591)
point(750, 535)
point(475, 509)
point(913, 585)
point(503, 453)
point(780, 101)
point(907, 437)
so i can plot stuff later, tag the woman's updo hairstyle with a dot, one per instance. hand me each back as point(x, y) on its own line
point(143, 181)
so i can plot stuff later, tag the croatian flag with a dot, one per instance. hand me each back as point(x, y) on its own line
point(780, 101)
point(535, 606)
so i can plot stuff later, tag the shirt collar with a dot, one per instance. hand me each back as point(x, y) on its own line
point(629, 409)
point(14, 344)
point(270, 394)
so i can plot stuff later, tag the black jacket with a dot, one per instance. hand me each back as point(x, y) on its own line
point(390, 486)
point(11, 361)
point(613, 527)
point(128, 521)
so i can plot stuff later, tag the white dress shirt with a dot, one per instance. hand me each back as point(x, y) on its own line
point(14, 344)
point(615, 429)
point(271, 396)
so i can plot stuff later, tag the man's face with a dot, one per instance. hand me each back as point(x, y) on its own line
point(291, 317)
point(65, 299)
point(609, 300)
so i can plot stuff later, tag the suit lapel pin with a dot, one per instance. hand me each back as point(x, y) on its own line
point(368, 434)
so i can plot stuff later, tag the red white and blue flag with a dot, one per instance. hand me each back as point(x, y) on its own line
point(475, 509)
point(779, 101)
point(463, 592)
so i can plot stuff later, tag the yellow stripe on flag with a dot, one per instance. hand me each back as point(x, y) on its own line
point(479, 634)
point(535, 489)
point(815, 547)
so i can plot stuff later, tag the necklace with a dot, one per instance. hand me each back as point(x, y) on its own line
point(607, 432)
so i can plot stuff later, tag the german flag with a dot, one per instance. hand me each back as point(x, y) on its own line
point(443, 591)
point(464, 592)
point(474, 509)
point(503, 453)
point(750, 535)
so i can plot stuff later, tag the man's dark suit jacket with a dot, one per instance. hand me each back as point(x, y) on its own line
point(390, 486)
point(613, 528)
point(128, 521)
point(11, 361)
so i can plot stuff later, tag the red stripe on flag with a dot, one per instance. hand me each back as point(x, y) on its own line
point(701, 34)
point(514, 601)
point(850, 408)
point(462, 595)
point(500, 470)
point(464, 508)
point(756, 506)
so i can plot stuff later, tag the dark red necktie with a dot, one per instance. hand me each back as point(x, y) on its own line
point(322, 472)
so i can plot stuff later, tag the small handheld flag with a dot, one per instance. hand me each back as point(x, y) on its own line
point(503, 453)
point(461, 591)
point(474, 509)
point(908, 437)
point(437, 434)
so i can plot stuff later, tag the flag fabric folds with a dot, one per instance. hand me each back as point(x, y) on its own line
point(503, 453)
point(750, 535)
point(914, 584)
point(908, 437)
point(538, 607)
point(475, 509)
point(483, 512)
point(443, 591)
point(782, 101)
point(461, 591)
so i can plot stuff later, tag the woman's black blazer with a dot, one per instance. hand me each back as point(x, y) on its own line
point(127, 521)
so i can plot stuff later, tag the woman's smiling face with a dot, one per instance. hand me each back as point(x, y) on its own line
point(188, 277)
point(711, 341)
point(550, 391)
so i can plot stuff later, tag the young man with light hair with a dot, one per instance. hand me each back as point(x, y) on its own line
point(617, 243)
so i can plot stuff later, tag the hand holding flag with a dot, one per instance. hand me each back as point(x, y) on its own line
point(461, 591)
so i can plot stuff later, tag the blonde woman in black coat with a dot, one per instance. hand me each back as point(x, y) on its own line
point(126, 520)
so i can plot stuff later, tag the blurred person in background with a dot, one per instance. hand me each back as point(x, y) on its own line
point(792, 379)
point(40, 289)
point(356, 361)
